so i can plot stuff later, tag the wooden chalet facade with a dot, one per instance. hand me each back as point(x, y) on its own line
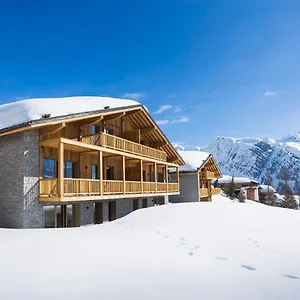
point(100, 156)
point(196, 176)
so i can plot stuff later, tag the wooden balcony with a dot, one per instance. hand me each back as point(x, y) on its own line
point(117, 143)
point(102, 189)
point(207, 175)
point(215, 191)
point(204, 192)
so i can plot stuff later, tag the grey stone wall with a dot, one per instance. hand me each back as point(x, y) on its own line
point(189, 188)
point(87, 213)
point(19, 175)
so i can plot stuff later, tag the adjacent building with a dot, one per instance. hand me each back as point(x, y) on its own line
point(195, 177)
point(81, 160)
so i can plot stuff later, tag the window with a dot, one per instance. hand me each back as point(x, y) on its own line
point(95, 129)
point(95, 172)
point(110, 173)
point(69, 169)
point(49, 168)
point(109, 131)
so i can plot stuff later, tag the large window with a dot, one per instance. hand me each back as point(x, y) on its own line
point(95, 172)
point(49, 168)
point(69, 169)
point(95, 129)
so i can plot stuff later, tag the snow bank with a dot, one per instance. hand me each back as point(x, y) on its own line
point(227, 179)
point(33, 109)
point(218, 250)
point(263, 188)
point(193, 160)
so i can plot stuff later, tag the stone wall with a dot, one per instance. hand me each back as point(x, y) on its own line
point(19, 175)
point(189, 188)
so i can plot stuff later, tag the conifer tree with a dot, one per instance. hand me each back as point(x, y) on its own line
point(289, 200)
point(216, 183)
point(269, 199)
point(230, 189)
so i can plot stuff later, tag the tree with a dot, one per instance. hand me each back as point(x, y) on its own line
point(297, 188)
point(289, 200)
point(216, 183)
point(230, 189)
point(268, 180)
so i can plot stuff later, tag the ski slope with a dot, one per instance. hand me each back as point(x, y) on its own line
point(218, 250)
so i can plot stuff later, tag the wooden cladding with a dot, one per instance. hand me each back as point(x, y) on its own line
point(117, 143)
point(207, 175)
point(204, 192)
point(94, 187)
point(215, 191)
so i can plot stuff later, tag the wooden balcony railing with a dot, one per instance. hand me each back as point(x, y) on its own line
point(215, 191)
point(78, 187)
point(49, 187)
point(117, 143)
point(207, 175)
point(203, 192)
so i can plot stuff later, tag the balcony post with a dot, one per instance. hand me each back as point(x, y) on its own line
point(142, 179)
point(101, 171)
point(177, 175)
point(61, 170)
point(123, 165)
point(155, 176)
point(167, 179)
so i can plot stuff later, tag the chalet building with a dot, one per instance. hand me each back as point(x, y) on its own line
point(249, 187)
point(80, 160)
point(195, 177)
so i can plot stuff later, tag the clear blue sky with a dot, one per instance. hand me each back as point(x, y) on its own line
point(203, 68)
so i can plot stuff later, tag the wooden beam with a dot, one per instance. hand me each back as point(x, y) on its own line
point(142, 179)
point(53, 129)
point(100, 167)
point(123, 172)
point(155, 176)
point(147, 130)
point(177, 174)
point(91, 121)
point(158, 145)
point(167, 179)
point(61, 170)
point(133, 112)
point(172, 159)
point(114, 116)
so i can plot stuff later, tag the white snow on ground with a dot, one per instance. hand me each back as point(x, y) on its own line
point(33, 109)
point(218, 250)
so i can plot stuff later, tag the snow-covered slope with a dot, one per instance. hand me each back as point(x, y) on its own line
point(254, 157)
point(23, 111)
point(218, 250)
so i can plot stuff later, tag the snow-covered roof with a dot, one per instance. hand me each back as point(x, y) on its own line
point(266, 189)
point(23, 111)
point(193, 160)
point(227, 179)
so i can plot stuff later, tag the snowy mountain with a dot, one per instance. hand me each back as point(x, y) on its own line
point(254, 157)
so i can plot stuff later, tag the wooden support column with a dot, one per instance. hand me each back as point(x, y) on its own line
point(100, 171)
point(61, 170)
point(104, 168)
point(112, 210)
point(98, 213)
point(123, 173)
point(55, 217)
point(142, 179)
point(167, 178)
point(155, 176)
point(76, 215)
point(177, 175)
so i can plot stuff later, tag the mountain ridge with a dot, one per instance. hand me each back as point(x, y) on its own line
point(254, 157)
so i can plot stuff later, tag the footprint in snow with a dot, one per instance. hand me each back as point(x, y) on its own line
point(221, 258)
point(248, 267)
point(191, 253)
point(166, 236)
point(289, 276)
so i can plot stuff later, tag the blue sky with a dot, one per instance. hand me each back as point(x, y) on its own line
point(203, 68)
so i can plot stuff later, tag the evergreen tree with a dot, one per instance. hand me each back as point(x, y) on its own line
point(289, 200)
point(297, 188)
point(230, 189)
point(216, 183)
